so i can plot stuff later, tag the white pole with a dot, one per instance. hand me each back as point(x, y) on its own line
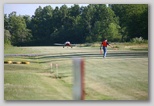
point(56, 70)
point(51, 67)
point(78, 87)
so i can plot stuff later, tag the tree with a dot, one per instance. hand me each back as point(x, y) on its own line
point(113, 32)
point(20, 34)
point(42, 25)
point(28, 21)
point(77, 24)
point(133, 19)
point(7, 37)
point(96, 19)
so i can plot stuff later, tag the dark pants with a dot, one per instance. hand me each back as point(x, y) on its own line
point(105, 50)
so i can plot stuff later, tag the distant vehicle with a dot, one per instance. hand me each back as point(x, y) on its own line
point(67, 43)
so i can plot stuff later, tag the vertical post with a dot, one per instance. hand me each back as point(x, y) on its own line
point(56, 70)
point(51, 67)
point(78, 87)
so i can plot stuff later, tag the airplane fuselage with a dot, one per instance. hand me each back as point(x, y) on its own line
point(68, 44)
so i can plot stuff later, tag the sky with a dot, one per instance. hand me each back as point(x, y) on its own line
point(29, 9)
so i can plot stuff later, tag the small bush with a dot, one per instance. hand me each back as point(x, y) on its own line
point(116, 46)
point(138, 40)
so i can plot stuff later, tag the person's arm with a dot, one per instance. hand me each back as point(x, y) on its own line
point(110, 45)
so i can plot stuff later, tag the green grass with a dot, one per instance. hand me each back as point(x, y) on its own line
point(123, 75)
point(123, 79)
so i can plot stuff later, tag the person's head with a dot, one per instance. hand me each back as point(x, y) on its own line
point(105, 40)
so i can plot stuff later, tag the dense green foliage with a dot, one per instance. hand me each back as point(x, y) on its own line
point(133, 20)
point(92, 23)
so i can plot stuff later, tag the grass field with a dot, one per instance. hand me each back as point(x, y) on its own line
point(123, 75)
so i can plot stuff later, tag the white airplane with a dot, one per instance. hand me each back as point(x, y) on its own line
point(67, 43)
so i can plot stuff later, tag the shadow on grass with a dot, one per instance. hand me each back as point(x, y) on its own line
point(38, 58)
point(135, 54)
point(16, 67)
point(129, 54)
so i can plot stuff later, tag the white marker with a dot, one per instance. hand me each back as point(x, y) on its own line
point(56, 70)
point(51, 66)
point(78, 85)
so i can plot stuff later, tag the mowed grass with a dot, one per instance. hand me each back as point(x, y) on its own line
point(123, 75)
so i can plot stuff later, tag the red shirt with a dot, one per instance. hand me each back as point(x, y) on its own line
point(105, 44)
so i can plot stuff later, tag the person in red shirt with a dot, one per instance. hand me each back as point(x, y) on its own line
point(103, 46)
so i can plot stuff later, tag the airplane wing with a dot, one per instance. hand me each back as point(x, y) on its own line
point(58, 44)
point(73, 44)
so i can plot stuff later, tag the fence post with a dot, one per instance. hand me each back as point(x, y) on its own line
point(78, 85)
point(51, 67)
point(57, 71)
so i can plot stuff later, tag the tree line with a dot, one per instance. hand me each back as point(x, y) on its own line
point(92, 23)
